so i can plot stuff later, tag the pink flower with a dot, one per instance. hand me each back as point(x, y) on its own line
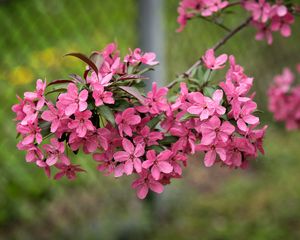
point(282, 24)
point(245, 116)
point(211, 152)
point(96, 79)
point(237, 151)
point(81, 123)
point(67, 170)
point(106, 162)
point(205, 106)
point(211, 62)
point(181, 100)
point(213, 6)
point(18, 109)
point(147, 137)
point(131, 156)
point(263, 32)
point(102, 96)
point(260, 9)
point(214, 104)
point(30, 112)
point(33, 154)
point(72, 101)
point(156, 101)
point(55, 116)
point(146, 182)
point(213, 129)
point(38, 94)
point(187, 138)
point(30, 133)
point(256, 137)
point(158, 164)
point(126, 120)
point(138, 57)
point(56, 151)
point(285, 80)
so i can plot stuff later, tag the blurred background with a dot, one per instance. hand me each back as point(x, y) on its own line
point(262, 202)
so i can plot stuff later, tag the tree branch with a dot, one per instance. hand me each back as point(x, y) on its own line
point(215, 47)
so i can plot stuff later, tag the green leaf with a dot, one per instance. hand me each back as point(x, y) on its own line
point(187, 116)
point(45, 126)
point(60, 90)
point(168, 140)
point(145, 70)
point(85, 59)
point(158, 149)
point(120, 105)
point(207, 75)
point(134, 92)
point(154, 121)
point(107, 113)
point(208, 91)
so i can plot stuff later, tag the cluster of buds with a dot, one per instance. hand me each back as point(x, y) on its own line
point(284, 99)
point(105, 113)
point(267, 17)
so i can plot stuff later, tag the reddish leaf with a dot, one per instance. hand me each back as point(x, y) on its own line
point(84, 59)
point(134, 92)
point(132, 76)
point(59, 81)
point(97, 59)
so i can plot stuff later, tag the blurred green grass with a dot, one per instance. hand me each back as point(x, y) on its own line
point(260, 203)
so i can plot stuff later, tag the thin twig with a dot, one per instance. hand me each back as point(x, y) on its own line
point(187, 73)
point(216, 23)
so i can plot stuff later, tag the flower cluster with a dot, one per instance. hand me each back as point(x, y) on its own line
point(189, 9)
point(105, 114)
point(284, 99)
point(267, 17)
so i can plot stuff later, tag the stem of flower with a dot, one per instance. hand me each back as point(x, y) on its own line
point(215, 47)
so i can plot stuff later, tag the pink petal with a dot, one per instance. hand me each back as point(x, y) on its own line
point(137, 165)
point(208, 138)
point(285, 30)
point(250, 119)
point(165, 167)
point(156, 186)
point(71, 109)
point(119, 170)
point(51, 160)
point(121, 156)
point(29, 139)
point(155, 172)
point(128, 146)
point(221, 59)
point(195, 110)
point(227, 128)
point(218, 95)
point(205, 114)
point(139, 150)
point(128, 167)
point(142, 191)
point(83, 95)
point(242, 125)
point(146, 164)
point(210, 158)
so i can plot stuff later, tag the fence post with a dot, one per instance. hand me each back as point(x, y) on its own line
point(151, 36)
